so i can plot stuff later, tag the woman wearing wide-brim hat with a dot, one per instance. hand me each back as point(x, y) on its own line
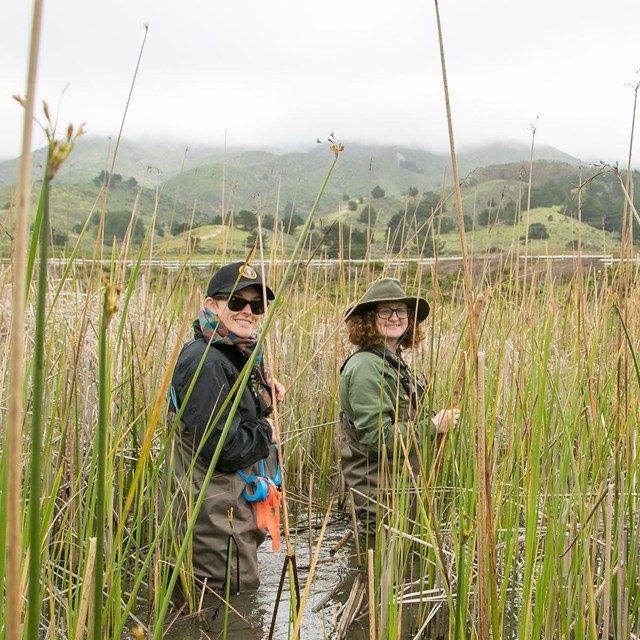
point(384, 409)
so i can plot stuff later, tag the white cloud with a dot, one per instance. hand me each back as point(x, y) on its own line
point(283, 72)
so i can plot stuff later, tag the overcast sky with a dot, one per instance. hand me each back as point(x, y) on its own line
point(285, 72)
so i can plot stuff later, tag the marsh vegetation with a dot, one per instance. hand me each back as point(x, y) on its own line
point(528, 514)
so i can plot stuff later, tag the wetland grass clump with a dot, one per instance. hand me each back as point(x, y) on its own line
point(558, 410)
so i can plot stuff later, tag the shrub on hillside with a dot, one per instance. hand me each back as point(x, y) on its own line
point(367, 215)
point(537, 231)
point(116, 224)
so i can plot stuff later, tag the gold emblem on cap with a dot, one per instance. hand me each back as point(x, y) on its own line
point(248, 272)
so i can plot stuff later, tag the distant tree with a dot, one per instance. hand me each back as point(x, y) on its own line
point(178, 227)
point(103, 178)
point(414, 226)
point(268, 221)
point(549, 194)
point(292, 222)
point(116, 224)
point(352, 205)
point(377, 192)
point(367, 215)
point(412, 192)
point(603, 204)
point(288, 210)
point(509, 213)
point(345, 197)
point(468, 222)
point(358, 242)
point(427, 206)
point(537, 231)
point(354, 242)
point(251, 239)
point(58, 237)
point(77, 227)
point(445, 224)
point(131, 183)
point(488, 217)
point(246, 220)
point(286, 224)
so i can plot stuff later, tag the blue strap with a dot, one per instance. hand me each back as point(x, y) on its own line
point(260, 483)
point(277, 480)
point(174, 400)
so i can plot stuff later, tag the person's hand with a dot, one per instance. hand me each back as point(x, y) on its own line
point(278, 388)
point(445, 419)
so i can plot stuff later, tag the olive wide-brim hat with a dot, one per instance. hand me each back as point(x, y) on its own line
point(389, 290)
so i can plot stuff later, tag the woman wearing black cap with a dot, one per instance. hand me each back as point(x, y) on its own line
point(384, 412)
point(205, 373)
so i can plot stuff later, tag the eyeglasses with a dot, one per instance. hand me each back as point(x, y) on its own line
point(386, 312)
point(238, 303)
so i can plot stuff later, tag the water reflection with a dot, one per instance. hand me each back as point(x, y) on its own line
point(333, 575)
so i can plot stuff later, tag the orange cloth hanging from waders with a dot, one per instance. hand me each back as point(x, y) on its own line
point(266, 498)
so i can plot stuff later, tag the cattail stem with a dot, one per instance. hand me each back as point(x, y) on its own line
point(37, 419)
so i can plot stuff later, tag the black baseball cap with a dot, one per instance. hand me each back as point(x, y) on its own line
point(235, 277)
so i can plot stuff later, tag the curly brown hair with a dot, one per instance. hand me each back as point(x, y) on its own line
point(362, 330)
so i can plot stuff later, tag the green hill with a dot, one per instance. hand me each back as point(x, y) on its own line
point(197, 188)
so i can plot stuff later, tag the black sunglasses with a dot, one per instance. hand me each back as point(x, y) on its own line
point(238, 303)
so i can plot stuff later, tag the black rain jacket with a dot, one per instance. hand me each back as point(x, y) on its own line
point(249, 436)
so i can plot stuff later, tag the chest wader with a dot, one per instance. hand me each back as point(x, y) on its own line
point(367, 474)
point(210, 540)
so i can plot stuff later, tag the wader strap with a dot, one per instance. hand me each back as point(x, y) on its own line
point(174, 400)
point(261, 484)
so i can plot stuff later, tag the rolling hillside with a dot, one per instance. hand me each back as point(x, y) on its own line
point(196, 188)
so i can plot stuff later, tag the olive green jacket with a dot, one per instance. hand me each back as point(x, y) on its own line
point(375, 398)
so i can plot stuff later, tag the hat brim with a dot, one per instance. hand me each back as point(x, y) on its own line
point(420, 305)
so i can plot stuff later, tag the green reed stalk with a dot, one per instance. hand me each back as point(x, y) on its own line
point(34, 591)
point(227, 586)
point(104, 420)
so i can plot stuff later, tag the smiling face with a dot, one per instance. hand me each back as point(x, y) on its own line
point(243, 323)
point(388, 323)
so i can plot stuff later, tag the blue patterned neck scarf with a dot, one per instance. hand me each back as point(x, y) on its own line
point(216, 332)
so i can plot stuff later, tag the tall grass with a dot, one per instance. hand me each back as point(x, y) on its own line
point(10, 516)
point(560, 446)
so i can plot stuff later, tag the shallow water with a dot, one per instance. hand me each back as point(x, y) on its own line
point(333, 580)
point(332, 571)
